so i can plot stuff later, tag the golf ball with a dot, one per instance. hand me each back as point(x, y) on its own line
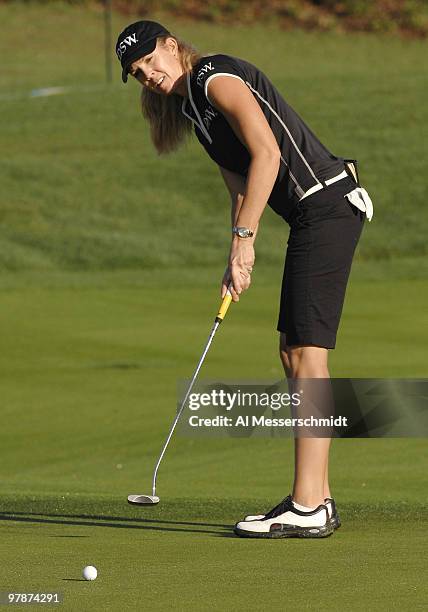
point(90, 572)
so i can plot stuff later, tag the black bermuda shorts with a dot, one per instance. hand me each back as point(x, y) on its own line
point(324, 232)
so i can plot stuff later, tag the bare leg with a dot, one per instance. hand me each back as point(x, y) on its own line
point(311, 484)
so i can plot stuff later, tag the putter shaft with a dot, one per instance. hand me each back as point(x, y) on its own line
point(147, 499)
point(183, 404)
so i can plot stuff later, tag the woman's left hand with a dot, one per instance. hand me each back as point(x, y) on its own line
point(241, 262)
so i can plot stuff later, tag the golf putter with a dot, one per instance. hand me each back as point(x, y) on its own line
point(148, 500)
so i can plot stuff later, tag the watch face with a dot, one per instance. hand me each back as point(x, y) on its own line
point(244, 233)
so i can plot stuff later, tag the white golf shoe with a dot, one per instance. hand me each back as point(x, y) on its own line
point(333, 515)
point(285, 521)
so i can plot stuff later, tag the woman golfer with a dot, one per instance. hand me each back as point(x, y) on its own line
point(266, 155)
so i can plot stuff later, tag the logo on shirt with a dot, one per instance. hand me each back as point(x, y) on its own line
point(209, 115)
point(202, 72)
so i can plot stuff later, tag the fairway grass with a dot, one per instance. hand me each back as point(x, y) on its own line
point(90, 363)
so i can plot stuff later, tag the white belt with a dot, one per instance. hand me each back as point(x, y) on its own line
point(319, 186)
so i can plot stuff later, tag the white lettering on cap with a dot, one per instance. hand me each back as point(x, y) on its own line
point(122, 46)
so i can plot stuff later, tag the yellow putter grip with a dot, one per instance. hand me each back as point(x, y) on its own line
point(224, 306)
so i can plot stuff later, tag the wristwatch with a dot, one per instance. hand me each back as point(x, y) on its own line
point(242, 232)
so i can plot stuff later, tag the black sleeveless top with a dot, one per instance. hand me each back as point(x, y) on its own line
point(305, 161)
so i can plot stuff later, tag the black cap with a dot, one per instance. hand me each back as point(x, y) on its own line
point(136, 40)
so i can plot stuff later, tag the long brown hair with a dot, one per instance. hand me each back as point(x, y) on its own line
point(169, 128)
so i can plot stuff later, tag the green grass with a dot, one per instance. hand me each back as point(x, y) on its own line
point(89, 365)
point(82, 187)
point(102, 314)
point(141, 560)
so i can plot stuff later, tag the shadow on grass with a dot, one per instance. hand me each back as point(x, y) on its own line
point(108, 521)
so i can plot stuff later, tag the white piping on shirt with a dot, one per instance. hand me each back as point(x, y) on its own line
point(213, 76)
point(198, 123)
point(298, 189)
point(286, 129)
point(183, 106)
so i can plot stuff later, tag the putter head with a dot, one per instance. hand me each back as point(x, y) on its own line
point(143, 500)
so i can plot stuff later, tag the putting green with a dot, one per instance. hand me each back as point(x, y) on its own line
point(189, 559)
